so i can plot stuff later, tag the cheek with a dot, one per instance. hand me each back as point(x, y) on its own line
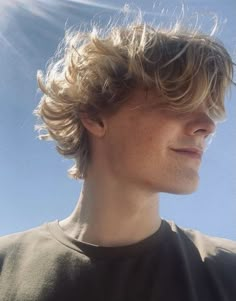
point(125, 149)
point(139, 145)
point(154, 140)
point(117, 147)
point(144, 148)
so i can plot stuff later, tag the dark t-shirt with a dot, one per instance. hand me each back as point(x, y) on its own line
point(173, 264)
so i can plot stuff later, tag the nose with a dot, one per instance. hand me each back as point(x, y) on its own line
point(201, 125)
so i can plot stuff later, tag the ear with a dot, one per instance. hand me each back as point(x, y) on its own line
point(96, 126)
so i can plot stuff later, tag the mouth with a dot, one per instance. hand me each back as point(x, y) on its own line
point(189, 154)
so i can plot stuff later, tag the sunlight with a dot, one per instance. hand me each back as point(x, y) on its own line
point(34, 7)
point(96, 4)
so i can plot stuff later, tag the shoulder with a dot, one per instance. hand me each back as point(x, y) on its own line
point(209, 244)
point(213, 250)
point(26, 258)
point(25, 241)
point(13, 237)
point(210, 260)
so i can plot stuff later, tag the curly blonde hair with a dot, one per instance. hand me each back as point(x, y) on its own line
point(95, 71)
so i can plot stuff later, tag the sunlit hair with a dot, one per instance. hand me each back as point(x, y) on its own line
point(93, 72)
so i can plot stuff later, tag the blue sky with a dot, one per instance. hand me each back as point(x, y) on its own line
point(33, 176)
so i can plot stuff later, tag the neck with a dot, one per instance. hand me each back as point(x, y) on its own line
point(112, 214)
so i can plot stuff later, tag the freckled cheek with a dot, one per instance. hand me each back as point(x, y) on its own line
point(146, 146)
point(139, 144)
point(129, 146)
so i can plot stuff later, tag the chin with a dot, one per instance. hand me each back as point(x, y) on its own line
point(185, 191)
point(182, 188)
point(185, 185)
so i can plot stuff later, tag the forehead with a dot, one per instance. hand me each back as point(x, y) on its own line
point(143, 98)
point(146, 99)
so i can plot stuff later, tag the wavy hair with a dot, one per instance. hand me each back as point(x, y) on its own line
point(94, 71)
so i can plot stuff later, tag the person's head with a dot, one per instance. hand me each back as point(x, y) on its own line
point(130, 95)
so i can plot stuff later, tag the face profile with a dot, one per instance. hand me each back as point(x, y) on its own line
point(142, 146)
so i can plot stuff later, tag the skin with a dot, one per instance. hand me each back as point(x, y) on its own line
point(132, 162)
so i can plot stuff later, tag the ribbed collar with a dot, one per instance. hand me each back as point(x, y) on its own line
point(91, 250)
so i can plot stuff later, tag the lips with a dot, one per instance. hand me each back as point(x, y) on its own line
point(193, 152)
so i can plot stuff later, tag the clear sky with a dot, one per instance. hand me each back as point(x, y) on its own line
point(34, 187)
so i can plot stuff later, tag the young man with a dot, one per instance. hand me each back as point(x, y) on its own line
point(133, 107)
